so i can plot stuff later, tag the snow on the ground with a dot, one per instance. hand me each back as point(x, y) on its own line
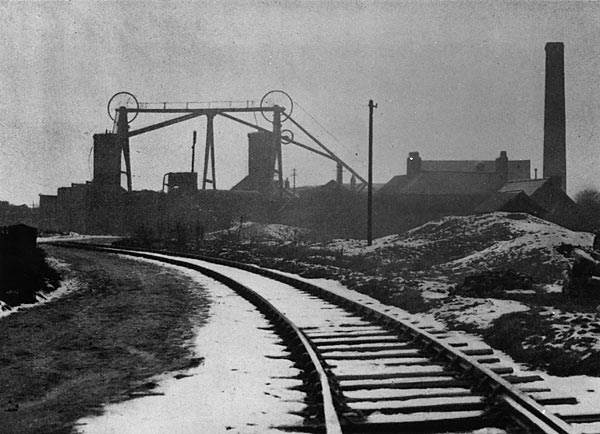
point(303, 311)
point(434, 289)
point(150, 411)
point(73, 236)
point(476, 243)
point(581, 329)
point(378, 417)
point(530, 234)
point(436, 256)
point(67, 285)
point(476, 311)
point(473, 244)
point(310, 313)
point(261, 232)
point(235, 390)
point(525, 228)
point(586, 389)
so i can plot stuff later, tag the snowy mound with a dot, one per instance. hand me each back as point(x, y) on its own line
point(477, 243)
point(262, 232)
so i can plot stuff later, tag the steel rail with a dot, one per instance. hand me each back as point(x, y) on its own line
point(330, 414)
point(524, 410)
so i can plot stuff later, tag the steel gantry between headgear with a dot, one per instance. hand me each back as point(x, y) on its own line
point(275, 106)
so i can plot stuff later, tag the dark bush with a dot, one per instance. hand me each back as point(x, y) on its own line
point(588, 209)
point(493, 283)
point(23, 274)
point(525, 337)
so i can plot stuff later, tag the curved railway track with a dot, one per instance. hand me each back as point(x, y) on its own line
point(367, 371)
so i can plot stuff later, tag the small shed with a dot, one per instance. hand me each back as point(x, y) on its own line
point(18, 237)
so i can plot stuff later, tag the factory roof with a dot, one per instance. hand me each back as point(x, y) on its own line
point(444, 183)
point(529, 186)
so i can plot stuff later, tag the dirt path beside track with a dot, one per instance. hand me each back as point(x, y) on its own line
point(102, 343)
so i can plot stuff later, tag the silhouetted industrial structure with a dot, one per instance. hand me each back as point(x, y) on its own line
point(104, 206)
point(261, 163)
point(429, 189)
point(555, 162)
point(432, 189)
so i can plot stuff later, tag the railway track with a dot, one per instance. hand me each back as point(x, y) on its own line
point(366, 370)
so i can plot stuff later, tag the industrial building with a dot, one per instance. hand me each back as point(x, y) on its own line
point(429, 189)
point(102, 206)
point(432, 189)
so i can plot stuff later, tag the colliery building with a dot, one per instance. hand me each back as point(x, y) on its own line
point(102, 206)
point(432, 189)
point(429, 189)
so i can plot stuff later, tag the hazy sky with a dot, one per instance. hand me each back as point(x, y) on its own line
point(453, 80)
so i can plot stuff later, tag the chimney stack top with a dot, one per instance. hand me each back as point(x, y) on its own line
point(555, 164)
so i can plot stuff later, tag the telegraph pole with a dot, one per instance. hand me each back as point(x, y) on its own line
point(370, 190)
point(193, 150)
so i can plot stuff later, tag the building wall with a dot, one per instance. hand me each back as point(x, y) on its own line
point(511, 169)
point(185, 181)
point(261, 159)
point(63, 210)
point(47, 213)
point(519, 170)
point(107, 159)
point(105, 209)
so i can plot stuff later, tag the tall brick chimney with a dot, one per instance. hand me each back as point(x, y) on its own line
point(555, 162)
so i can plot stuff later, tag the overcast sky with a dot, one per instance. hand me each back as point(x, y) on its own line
point(453, 80)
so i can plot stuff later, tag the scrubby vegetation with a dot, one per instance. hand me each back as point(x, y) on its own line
point(588, 204)
point(23, 274)
point(493, 283)
point(530, 338)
